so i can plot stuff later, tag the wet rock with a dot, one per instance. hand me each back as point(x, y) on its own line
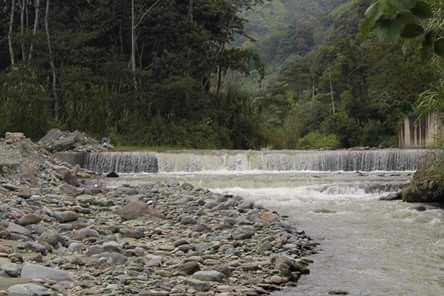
point(420, 208)
point(338, 292)
point(112, 175)
point(34, 271)
point(29, 290)
point(392, 196)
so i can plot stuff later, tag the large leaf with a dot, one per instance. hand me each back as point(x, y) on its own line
point(439, 47)
point(422, 10)
point(392, 8)
point(412, 31)
point(389, 30)
point(372, 15)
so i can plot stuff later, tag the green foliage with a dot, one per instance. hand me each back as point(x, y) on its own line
point(393, 20)
point(357, 90)
point(431, 100)
point(316, 140)
point(176, 95)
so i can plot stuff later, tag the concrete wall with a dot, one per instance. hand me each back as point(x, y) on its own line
point(73, 158)
point(423, 133)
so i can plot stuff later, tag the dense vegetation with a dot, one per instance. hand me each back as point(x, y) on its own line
point(298, 74)
point(142, 71)
point(331, 87)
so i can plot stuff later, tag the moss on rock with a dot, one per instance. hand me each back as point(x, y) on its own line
point(427, 184)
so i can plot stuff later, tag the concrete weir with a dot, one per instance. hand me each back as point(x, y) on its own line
point(74, 158)
point(267, 160)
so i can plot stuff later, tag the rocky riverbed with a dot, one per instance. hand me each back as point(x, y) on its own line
point(63, 232)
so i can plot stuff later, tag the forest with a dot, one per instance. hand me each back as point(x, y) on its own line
point(293, 74)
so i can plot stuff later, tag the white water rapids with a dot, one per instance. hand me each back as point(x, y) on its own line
point(368, 247)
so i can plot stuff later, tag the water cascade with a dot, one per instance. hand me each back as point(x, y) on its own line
point(234, 160)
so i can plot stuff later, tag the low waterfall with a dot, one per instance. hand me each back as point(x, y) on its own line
point(225, 160)
point(122, 162)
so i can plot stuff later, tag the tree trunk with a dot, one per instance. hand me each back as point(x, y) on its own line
point(190, 11)
point(333, 107)
point(52, 64)
point(11, 28)
point(133, 43)
point(35, 27)
point(22, 30)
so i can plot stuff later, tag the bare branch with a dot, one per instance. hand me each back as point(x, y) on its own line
point(139, 22)
point(11, 26)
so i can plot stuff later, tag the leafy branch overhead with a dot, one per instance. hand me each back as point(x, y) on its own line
point(412, 21)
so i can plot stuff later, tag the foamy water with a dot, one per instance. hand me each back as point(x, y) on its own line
point(368, 247)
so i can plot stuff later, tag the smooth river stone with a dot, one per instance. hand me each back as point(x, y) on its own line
point(34, 271)
point(28, 290)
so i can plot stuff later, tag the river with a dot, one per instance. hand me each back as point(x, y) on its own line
point(367, 246)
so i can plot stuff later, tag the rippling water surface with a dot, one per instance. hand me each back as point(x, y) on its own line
point(368, 247)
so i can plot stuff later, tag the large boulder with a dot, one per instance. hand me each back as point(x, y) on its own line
point(427, 184)
point(58, 141)
point(34, 271)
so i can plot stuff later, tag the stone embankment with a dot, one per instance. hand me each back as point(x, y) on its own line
point(63, 233)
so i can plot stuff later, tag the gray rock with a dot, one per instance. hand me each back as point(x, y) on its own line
point(34, 271)
point(137, 209)
point(66, 217)
point(86, 233)
point(154, 261)
point(29, 219)
point(338, 292)
point(188, 220)
point(198, 285)
point(112, 246)
point(209, 276)
point(189, 268)
point(11, 269)
point(29, 290)
point(244, 232)
point(52, 238)
point(15, 228)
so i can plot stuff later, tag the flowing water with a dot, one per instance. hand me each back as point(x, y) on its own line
point(368, 246)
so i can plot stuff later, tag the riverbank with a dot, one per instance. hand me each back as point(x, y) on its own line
point(63, 231)
point(427, 184)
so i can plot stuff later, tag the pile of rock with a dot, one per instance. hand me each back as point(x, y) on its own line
point(24, 162)
point(64, 234)
point(60, 141)
point(158, 239)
